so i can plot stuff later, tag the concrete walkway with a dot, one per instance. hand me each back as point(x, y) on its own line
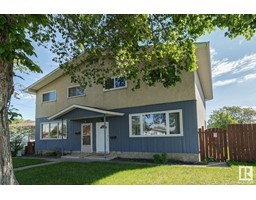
point(37, 165)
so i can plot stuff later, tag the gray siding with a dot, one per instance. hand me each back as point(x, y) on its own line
point(119, 131)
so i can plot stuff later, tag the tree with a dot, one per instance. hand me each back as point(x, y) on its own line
point(20, 132)
point(231, 115)
point(242, 115)
point(148, 48)
point(15, 54)
point(13, 114)
point(220, 119)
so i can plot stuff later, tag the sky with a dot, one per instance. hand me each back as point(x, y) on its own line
point(233, 74)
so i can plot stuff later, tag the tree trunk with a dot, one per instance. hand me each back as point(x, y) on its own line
point(7, 176)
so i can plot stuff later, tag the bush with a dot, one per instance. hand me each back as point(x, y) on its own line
point(16, 142)
point(52, 153)
point(160, 158)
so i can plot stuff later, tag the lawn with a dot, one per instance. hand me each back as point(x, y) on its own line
point(97, 173)
point(21, 162)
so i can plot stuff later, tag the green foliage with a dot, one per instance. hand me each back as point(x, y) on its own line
point(142, 48)
point(207, 160)
point(13, 114)
point(242, 115)
point(220, 119)
point(231, 115)
point(52, 153)
point(18, 134)
point(160, 158)
point(16, 142)
point(148, 48)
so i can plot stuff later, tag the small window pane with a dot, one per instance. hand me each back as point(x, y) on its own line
point(54, 130)
point(45, 131)
point(174, 123)
point(63, 130)
point(87, 135)
point(50, 96)
point(120, 82)
point(75, 91)
point(135, 125)
point(154, 124)
point(109, 84)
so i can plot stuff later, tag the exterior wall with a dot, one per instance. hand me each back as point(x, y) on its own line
point(119, 132)
point(200, 103)
point(113, 99)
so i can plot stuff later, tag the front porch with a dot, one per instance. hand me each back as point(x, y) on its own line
point(89, 156)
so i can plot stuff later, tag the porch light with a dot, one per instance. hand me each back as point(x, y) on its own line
point(103, 126)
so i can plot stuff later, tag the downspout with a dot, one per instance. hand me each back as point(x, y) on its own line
point(62, 137)
point(105, 137)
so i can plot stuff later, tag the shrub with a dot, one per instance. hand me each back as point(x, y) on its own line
point(160, 158)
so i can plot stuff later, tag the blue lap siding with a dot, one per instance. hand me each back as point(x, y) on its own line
point(119, 131)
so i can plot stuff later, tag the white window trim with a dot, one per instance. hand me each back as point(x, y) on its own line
point(50, 100)
point(51, 122)
point(167, 124)
point(114, 77)
point(74, 96)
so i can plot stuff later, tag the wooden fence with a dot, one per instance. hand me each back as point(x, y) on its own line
point(213, 144)
point(238, 143)
point(242, 142)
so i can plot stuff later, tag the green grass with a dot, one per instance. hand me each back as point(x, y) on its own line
point(129, 174)
point(21, 162)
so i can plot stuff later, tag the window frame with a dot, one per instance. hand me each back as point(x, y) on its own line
point(47, 93)
point(76, 95)
point(58, 124)
point(167, 112)
point(115, 88)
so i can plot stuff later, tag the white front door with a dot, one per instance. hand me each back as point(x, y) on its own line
point(100, 137)
point(86, 137)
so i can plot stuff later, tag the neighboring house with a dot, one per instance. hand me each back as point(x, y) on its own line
point(21, 134)
point(122, 122)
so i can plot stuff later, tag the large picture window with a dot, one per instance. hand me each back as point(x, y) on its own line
point(49, 96)
point(54, 130)
point(164, 123)
point(76, 91)
point(114, 83)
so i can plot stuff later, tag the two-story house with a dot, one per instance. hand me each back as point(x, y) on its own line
point(116, 120)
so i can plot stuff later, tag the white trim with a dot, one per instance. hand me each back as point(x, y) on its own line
point(106, 112)
point(49, 92)
point(51, 122)
point(82, 137)
point(115, 88)
point(74, 96)
point(167, 123)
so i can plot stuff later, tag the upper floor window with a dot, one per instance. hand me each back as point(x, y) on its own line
point(115, 83)
point(164, 123)
point(49, 96)
point(76, 91)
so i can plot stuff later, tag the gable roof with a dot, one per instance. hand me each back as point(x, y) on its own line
point(204, 72)
point(73, 107)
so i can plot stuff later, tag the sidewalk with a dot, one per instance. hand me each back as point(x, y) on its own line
point(38, 165)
